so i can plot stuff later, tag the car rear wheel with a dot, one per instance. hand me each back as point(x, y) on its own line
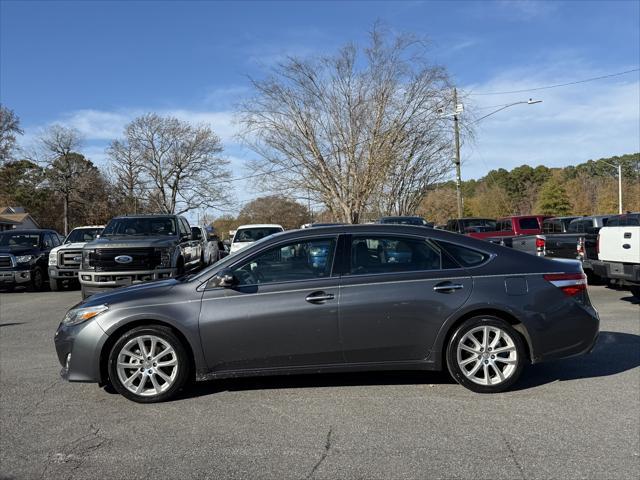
point(635, 291)
point(37, 279)
point(486, 355)
point(148, 364)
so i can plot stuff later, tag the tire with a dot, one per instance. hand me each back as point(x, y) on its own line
point(9, 288)
point(55, 284)
point(148, 382)
point(37, 279)
point(180, 268)
point(635, 291)
point(472, 363)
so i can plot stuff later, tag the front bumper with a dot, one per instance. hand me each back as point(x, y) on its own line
point(624, 272)
point(14, 277)
point(101, 280)
point(62, 273)
point(78, 348)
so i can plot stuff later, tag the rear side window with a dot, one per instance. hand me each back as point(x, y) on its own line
point(529, 224)
point(466, 257)
point(381, 254)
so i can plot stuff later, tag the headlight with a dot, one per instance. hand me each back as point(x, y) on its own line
point(53, 258)
point(86, 259)
point(24, 258)
point(79, 315)
point(165, 257)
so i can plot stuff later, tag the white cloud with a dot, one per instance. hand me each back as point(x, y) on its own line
point(573, 124)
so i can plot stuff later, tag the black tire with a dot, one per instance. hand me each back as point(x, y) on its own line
point(9, 288)
point(167, 335)
point(55, 284)
point(180, 268)
point(635, 291)
point(37, 279)
point(456, 370)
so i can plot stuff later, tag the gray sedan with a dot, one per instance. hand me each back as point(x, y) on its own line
point(343, 298)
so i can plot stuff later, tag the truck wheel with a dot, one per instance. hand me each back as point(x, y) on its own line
point(37, 279)
point(635, 291)
point(55, 284)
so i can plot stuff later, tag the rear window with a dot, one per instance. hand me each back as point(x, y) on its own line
point(254, 234)
point(529, 223)
point(466, 257)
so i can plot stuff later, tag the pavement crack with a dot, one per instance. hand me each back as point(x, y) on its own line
point(512, 455)
point(325, 453)
point(42, 397)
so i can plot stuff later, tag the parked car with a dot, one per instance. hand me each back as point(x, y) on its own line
point(210, 244)
point(619, 252)
point(587, 246)
point(138, 248)
point(470, 225)
point(24, 255)
point(450, 302)
point(513, 226)
point(64, 260)
point(405, 221)
point(245, 235)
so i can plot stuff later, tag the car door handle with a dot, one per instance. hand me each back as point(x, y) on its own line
point(319, 297)
point(448, 287)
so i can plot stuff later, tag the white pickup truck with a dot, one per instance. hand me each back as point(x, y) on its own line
point(64, 261)
point(619, 252)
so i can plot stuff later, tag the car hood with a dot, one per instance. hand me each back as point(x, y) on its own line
point(19, 250)
point(124, 241)
point(147, 291)
point(69, 246)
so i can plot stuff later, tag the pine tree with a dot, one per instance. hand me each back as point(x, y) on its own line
point(553, 199)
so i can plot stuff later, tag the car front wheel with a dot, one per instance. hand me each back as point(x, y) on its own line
point(148, 364)
point(486, 355)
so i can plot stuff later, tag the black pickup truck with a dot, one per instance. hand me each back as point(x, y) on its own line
point(23, 257)
point(136, 249)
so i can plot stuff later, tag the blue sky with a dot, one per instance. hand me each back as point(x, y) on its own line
point(95, 65)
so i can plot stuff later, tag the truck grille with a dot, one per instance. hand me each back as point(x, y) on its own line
point(141, 259)
point(6, 261)
point(70, 258)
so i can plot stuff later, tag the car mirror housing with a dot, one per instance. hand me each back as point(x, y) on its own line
point(225, 279)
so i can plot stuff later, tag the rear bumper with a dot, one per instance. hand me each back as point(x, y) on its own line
point(625, 272)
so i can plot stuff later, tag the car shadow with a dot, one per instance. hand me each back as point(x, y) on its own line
point(631, 299)
point(613, 353)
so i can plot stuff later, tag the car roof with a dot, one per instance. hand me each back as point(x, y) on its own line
point(30, 230)
point(146, 215)
point(89, 226)
point(260, 225)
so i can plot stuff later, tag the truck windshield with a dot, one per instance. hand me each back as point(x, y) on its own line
point(253, 234)
point(18, 239)
point(82, 235)
point(140, 226)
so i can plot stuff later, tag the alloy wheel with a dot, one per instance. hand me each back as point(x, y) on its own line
point(147, 365)
point(487, 355)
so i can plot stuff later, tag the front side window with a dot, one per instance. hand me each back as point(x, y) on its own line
point(381, 254)
point(302, 260)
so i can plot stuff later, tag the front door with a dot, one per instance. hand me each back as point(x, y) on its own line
point(394, 298)
point(282, 313)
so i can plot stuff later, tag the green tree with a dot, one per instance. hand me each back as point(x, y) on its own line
point(553, 199)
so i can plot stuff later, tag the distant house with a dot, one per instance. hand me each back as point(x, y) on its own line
point(16, 218)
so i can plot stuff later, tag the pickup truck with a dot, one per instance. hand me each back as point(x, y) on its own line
point(512, 227)
point(138, 248)
point(619, 252)
point(64, 260)
point(23, 257)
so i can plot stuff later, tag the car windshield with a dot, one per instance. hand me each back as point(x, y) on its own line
point(254, 233)
point(140, 226)
point(403, 220)
point(82, 235)
point(17, 239)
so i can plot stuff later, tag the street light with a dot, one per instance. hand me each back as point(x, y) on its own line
point(619, 183)
point(459, 109)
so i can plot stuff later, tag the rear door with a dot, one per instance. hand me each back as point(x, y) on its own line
point(395, 293)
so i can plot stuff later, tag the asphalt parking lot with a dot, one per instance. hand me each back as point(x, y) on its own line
point(576, 418)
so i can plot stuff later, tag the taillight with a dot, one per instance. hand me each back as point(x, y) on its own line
point(580, 247)
point(541, 243)
point(570, 283)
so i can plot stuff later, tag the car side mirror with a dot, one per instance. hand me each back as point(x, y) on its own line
point(225, 279)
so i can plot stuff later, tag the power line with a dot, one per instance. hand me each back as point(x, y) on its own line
point(559, 84)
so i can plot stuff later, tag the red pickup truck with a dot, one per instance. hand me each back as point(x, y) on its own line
point(513, 226)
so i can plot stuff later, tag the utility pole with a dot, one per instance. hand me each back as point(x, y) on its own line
point(457, 161)
point(620, 188)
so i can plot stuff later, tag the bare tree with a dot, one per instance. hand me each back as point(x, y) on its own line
point(67, 171)
point(125, 169)
point(359, 130)
point(9, 128)
point(178, 165)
